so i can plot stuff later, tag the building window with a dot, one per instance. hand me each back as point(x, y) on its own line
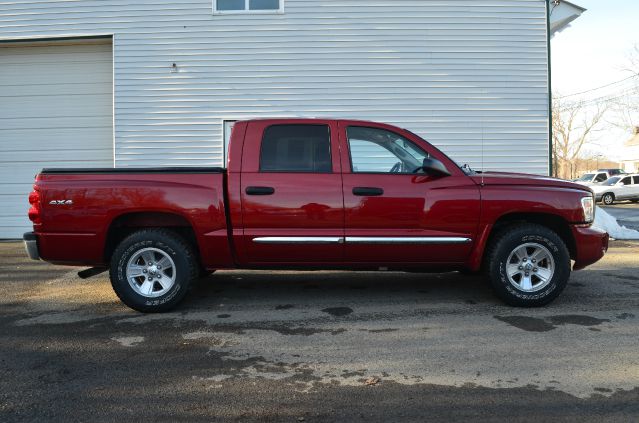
point(296, 148)
point(248, 6)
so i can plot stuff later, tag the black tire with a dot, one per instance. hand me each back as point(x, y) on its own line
point(608, 198)
point(185, 265)
point(501, 248)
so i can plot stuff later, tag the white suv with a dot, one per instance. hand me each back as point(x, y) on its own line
point(617, 188)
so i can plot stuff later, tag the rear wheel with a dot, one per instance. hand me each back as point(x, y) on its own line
point(152, 269)
point(608, 198)
point(528, 265)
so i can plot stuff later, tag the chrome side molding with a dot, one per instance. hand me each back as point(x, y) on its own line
point(360, 240)
point(407, 240)
point(298, 240)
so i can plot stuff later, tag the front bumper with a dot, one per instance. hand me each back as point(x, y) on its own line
point(31, 245)
point(591, 245)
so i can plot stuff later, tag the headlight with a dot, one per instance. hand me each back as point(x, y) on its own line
point(588, 206)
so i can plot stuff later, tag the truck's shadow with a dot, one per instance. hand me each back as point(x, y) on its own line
point(339, 287)
point(304, 289)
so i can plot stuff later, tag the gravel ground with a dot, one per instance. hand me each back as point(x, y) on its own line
point(319, 346)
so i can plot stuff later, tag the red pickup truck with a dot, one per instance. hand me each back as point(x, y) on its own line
point(314, 194)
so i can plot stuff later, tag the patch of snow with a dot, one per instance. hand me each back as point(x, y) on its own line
point(605, 221)
point(198, 335)
point(129, 341)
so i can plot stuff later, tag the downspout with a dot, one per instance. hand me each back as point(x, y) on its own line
point(550, 146)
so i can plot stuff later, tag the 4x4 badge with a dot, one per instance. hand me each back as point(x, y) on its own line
point(61, 202)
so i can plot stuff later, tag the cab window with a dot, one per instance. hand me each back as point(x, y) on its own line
point(626, 180)
point(296, 148)
point(601, 177)
point(375, 150)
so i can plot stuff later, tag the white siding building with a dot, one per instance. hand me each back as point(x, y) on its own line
point(152, 82)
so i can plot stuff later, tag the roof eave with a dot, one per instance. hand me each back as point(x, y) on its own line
point(562, 14)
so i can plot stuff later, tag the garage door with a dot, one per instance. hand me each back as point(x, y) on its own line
point(55, 111)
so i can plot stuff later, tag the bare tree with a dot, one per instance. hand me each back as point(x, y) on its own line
point(633, 59)
point(625, 104)
point(572, 127)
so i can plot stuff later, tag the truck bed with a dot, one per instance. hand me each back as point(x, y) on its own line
point(91, 209)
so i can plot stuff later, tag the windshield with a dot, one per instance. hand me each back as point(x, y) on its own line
point(464, 168)
point(586, 177)
point(611, 181)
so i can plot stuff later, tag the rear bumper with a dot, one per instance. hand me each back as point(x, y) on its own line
point(591, 243)
point(31, 245)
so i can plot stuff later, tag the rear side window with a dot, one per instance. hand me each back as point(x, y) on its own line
point(635, 179)
point(296, 148)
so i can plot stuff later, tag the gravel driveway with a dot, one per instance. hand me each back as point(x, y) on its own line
point(319, 346)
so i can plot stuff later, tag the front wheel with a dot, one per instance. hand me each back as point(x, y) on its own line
point(528, 265)
point(608, 199)
point(152, 269)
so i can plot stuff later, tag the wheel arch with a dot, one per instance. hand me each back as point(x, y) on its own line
point(554, 222)
point(128, 223)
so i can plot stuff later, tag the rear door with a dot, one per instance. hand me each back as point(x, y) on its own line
point(291, 191)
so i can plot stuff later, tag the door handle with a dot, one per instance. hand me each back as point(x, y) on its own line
point(368, 191)
point(259, 190)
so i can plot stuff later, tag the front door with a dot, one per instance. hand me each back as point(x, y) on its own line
point(291, 190)
point(394, 213)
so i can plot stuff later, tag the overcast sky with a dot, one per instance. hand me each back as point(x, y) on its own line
point(593, 52)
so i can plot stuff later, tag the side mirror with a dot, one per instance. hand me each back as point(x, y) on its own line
point(434, 167)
